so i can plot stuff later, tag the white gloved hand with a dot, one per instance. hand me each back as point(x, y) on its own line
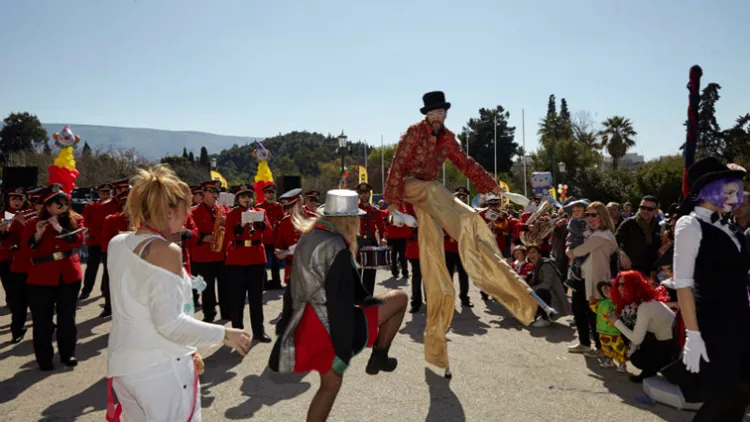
point(291, 249)
point(401, 219)
point(693, 351)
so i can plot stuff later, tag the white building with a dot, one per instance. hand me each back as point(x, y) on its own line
point(630, 160)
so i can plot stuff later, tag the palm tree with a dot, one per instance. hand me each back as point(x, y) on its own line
point(618, 137)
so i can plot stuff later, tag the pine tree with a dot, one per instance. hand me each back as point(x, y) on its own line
point(203, 161)
point(86, 149)
point(184, 153)
point(191, 157)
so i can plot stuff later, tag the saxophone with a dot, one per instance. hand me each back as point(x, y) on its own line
point(218, 233)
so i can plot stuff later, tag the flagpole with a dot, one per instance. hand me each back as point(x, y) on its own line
point(692, 127)
point(523, 134)
point(382, 163)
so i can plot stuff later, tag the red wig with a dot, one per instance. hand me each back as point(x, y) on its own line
point(636, 290)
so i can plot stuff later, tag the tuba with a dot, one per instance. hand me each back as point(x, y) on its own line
point(218, 233)
point(542, 225)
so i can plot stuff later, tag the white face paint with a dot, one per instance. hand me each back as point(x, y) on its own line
point(731, 197)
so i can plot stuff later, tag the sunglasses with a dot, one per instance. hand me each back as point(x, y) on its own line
point(592, 214)
point(645, 208)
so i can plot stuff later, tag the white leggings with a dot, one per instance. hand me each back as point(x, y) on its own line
point(161, 393)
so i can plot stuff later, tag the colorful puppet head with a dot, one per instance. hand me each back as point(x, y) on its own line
point(260, 152)
point(66, 138)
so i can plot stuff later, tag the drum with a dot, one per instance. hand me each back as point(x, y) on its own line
point(373, 257)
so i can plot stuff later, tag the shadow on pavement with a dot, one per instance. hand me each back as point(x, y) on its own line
point(85, 328)
point(268, 388)
point(92, 399)
point(558, 332)
point(414, 328)
point(617, 383)
point(394, 283)
point(444, 404)
point(466, 323)
point(271, 295)
point(507, 320)
point(217, 371)
point(22, 380)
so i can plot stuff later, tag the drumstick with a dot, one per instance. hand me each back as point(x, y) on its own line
point(550, 311)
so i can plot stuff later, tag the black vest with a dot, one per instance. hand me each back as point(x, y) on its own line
point(721, 282)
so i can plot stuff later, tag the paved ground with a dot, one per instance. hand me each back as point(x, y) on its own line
point(502, 372)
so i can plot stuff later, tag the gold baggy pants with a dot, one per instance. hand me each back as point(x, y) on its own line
point(437, 209)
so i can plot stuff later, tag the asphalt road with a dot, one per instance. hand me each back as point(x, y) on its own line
point(501, 372)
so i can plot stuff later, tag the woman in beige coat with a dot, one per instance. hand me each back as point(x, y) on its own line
point(599, 246)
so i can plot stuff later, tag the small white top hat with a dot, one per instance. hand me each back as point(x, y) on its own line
point(341, 203)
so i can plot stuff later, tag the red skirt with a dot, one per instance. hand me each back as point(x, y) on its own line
point(313, 345)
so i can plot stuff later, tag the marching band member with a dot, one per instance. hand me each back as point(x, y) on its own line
point(274, 212)
point(90, 221)
point(453, 259)
point(53, 240)
point(206, 262)
point(113, 225)
point(197, 192)
point(107, 208)
point(287, 235)
point(246, 262)
point(14, 282)
point(312, 201)
point(397, 237)
point(369, 223)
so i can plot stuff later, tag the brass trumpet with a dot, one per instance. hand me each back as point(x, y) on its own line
point(218, 234)
point(542, 225)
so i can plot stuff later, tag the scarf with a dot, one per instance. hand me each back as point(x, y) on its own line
point(646, 227)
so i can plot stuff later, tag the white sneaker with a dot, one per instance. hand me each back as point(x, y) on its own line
point(579, 348)
point(541, 323)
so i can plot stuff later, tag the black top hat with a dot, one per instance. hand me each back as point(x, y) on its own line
point(243, 188)
point(433, 101)
point(364, 187)
point(461, 190)
point(708, 170)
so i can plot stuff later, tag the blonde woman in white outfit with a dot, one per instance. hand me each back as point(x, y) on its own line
point(154, 335)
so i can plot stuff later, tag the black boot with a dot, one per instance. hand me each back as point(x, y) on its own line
point(379, 361)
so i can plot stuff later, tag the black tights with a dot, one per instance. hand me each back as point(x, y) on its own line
point(730, 408)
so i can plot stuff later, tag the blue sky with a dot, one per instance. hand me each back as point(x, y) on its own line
point(257, 68)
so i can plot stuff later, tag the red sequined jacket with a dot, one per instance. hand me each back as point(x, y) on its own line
point(421, 155)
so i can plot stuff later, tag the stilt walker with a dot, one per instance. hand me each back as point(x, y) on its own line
point(416, 164)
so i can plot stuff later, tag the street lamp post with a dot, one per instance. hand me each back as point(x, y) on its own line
point(342, 150)
point(562, 168)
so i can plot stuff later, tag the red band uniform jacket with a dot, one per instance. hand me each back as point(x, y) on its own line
point(113, 225)
point(243, 246)
point(204, 221)
point(98, 214)
point(274, 213)
point(50, 272)
point(369, 223)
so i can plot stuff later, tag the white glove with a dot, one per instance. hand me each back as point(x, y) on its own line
point(291, 249)
point(400, 219)
point(693, 351)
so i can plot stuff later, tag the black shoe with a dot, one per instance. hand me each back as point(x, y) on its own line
point(485, 297)
point(415, 307)
point(46, 367)
point(276, 286)
point(17, 339)
point(71, 362)
point(262, 338)
point(394, 275)
point(84, 295)
point(106, 312)
point(405, 275)
point(209, 319)
point(466, 303)
point(379, 361)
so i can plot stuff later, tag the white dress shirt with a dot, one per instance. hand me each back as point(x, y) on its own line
point(687, 242)
point(152, 309)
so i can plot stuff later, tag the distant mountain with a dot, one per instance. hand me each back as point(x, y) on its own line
point(151, 144)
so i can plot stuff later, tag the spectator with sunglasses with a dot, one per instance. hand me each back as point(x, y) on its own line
point(638, 238)
point(52, 241)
